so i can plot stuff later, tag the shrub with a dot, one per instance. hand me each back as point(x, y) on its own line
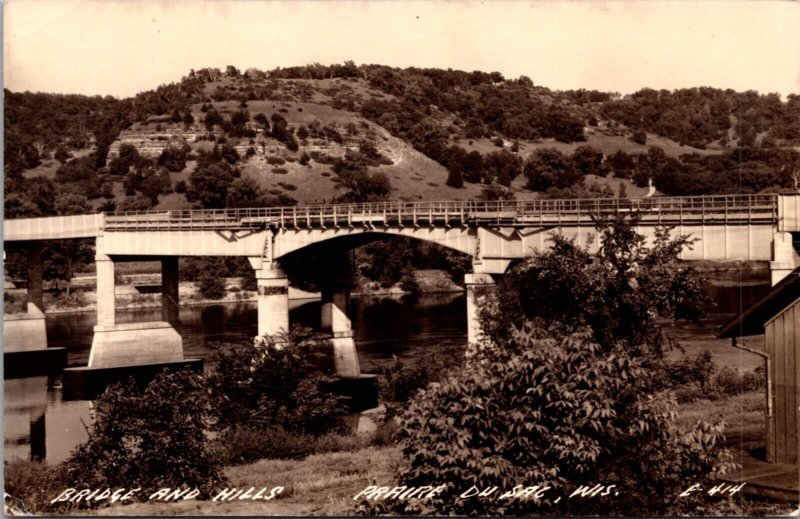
point(275, 161)
point(287, 186)
point(454, 178)
point(153, 436)
point(304, 158)
point(244, 444)
point(32, 485)
point(268, 384)
point(730, 381)
point(280, 171)
point(180, 186)
point(552, 411)
point(211, 285)
point(639, 137)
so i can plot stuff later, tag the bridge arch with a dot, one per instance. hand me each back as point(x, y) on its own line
point(290, 241)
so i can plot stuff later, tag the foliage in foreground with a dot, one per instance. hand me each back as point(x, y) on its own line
point(561, 393)
point(556, 412)
point(276, 384)
point(155, 436)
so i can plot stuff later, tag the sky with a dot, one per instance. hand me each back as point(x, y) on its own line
point(121, 47)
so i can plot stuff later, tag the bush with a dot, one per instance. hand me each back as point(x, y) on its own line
point(454, 178)
point(180, 186)
point(153, 436)
point(243, 444)
point(32, 485)
point(268, 384)
point(399, 381)
point(280, 171)
point(639, 137)
point(552, 411)
point(730, 381)
point(275, 161)
point(212, 286)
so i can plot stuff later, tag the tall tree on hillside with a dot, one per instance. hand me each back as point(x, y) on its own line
point(548, 167)
point(209, 184)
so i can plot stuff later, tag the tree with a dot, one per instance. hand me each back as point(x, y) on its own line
point(174, 158)
point(561, 393)
point(364, 187)
point(63, 259)
point(454, 179)
point(213, 118)
point(245, 192)
point(639, 137)
point(211, 285)
point(548, 167)
point(209, 184)
point(139, 202)
point(72, 203)
point(188, 119)
point(495, 191)
point(229, 153)
point(589, 161)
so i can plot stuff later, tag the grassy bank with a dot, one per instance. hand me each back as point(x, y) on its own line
point(321, 484)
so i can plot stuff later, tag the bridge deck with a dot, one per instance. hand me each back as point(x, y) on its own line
point(732, 209)
point(697, 210)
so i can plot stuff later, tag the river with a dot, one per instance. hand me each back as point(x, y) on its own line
point(39, 421)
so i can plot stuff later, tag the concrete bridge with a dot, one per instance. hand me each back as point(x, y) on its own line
point(493, 233)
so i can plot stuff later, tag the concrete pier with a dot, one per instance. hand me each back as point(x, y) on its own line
point(132, 344)
point(26, 331)
point(476, 284)
point(273, 301)
point(169, 289)
point(35, 282)
point(344, 347)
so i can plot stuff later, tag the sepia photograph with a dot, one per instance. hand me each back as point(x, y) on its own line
point(401, 258)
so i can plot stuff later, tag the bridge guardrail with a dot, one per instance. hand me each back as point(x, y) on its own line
point(665, 210)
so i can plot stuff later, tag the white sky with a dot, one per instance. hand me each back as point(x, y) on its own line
point(121, 47)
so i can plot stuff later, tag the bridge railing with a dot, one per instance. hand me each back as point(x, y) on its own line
point(665, 210)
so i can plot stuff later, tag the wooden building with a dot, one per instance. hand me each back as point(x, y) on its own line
point(777, 316)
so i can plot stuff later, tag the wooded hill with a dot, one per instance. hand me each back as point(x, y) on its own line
point(354, 133)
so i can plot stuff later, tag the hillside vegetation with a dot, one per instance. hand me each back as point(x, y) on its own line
point(351, 133)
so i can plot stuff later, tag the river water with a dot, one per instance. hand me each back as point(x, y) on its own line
point(38, 422)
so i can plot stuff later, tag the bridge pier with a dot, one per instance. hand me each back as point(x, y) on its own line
point(169, 289)
point(784, 257)
point(477, 283)
point(129, 344)
point(27, 331)
point(334, 320)
point(273, 302)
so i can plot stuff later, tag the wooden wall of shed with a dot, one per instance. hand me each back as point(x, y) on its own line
point(783, 347)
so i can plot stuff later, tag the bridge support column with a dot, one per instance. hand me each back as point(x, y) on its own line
point(784, 257)
point(169, 289)
point(273, 301)
point(477, 284)
point(106, 290)
point(27, 331)
point(130, 344)
point(35, 283)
